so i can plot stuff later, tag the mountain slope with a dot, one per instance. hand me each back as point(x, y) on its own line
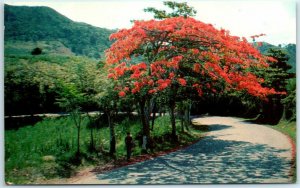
point(32, 24)
point(289, 49)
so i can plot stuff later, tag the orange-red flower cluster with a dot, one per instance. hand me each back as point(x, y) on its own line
point(173, 48)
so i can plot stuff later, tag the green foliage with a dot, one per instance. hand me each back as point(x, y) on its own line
point(276, 75)
point(290, 101)
point(24, 48)
point(70, 98)
point(289, 50)
point(33, 83)
point(177, 9)
point(45, 24)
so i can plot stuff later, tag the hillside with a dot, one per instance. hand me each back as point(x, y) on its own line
point(289, 49)
point(29, 26)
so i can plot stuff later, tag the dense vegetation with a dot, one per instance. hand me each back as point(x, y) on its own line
point(289, 50)
point(31, 82)
point(43, 74)
point(43, 24)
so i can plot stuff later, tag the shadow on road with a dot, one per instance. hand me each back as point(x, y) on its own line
point(214, 127)
point(208, 161)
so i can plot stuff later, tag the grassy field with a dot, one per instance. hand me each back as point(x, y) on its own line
point(47, 149)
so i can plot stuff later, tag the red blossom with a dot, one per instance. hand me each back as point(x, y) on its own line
point(151, 91)
point(182, 81)
point(110, 75)
point(122, 94)
point(195, 51)
point(222, 58)
point(171, 75)
point(151, 82)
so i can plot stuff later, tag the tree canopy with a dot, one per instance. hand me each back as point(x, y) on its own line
point(186, 51)
point(178, 9)
point(177, 56)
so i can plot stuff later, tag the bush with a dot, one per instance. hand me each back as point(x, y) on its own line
point(36, 51)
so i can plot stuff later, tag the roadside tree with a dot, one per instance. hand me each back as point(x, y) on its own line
point(160, 56)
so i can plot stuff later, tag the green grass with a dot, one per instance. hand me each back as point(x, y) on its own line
point(287, 127)
point(25, 48)
point(47, 149)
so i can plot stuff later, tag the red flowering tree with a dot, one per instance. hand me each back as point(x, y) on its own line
point(174, 53)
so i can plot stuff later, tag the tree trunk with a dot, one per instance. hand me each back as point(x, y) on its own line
point(186, 117)
point(283, 117)
point(92, 139)
point(153, 116)
point(75, 115)
point(181, 113)
point(112, 146)
point(145, 122)
point(173, 122)
point(182, 122)
point(78, 140)
point(92, 145)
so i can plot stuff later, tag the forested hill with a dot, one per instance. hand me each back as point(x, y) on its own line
point(25, 24)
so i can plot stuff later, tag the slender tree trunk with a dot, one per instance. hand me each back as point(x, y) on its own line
point(145, 123)
point(283, 117)
point(173, 122)
point(189, 113)
point(182, 122)
point(92, 139)
point(186, 116)
point(112, 147)
point(92, 145)
point(181, 114)
point(153, 116)
point(75, 115)
point(78, 140)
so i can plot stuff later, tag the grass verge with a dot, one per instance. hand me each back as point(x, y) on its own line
point(289, 128)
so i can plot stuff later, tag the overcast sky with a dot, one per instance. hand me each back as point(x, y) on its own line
point(275, 18)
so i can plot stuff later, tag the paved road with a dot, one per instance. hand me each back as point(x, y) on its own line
point(233, 152)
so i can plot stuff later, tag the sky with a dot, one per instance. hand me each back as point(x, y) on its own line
point(244, 18)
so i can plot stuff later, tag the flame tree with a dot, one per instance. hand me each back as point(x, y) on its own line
point(168, 55)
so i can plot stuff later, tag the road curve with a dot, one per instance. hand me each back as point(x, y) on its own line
point(234, 151)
